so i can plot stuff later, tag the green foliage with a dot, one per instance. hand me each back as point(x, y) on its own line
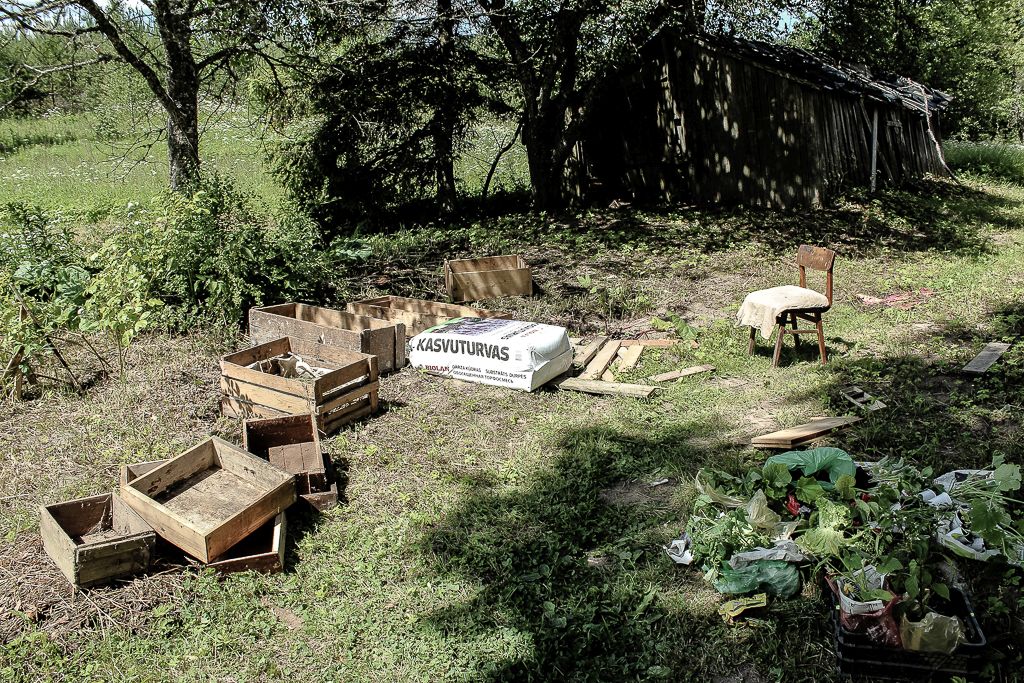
point(992, 159)
point(673, 323)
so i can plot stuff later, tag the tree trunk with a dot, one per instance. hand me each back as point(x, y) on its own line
point(542, 134)
point(444, 114)
point(183, 91)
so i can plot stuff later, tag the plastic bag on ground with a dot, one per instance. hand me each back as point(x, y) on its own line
point(934, 633)
point(775, 577)
point(834, 461)
point(952, 534)
point(786, 551)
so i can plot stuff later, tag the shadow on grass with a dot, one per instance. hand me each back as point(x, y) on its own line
point(586, 581)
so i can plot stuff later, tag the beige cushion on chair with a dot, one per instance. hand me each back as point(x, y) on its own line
point(761, 309)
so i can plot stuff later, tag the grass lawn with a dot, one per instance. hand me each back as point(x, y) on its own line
point(494, 535)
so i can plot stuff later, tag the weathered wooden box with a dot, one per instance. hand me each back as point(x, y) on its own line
point(490, 277)
point(260, 551)
point(96, 539)
point(210, 497)
point(348, 392)
point(342, 329)
point(417, 314)
point(135, 470)
point(293, 444)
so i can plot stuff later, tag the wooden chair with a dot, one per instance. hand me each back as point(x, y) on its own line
point(815, 258)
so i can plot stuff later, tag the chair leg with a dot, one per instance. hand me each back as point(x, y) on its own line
point(778, 345)
point(796, 337)
point(750, 346)
point(821, 343)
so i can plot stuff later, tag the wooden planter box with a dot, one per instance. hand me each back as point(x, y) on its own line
point(342, 329)
point(210, 497)
point(417, 314)
point(347, 393)
point(472, 279)
point(293, 444)
point(261, 551)
point(93, 540)
point(135, 470)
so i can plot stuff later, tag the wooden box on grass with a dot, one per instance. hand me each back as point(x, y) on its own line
point(260, 551)
point(96, 539)
point(417, 314)
point(293, 444)
point(342, 329)
point(348, 392)
point(472, 279)
point(210, 497)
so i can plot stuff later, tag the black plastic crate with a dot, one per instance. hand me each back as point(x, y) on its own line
point(860, 656)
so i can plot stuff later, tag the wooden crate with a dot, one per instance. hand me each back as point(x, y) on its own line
point(261, 551)
point(417, 314)
point(96, 539)
point(342, 329)
point(293, 444)
point(472, 279)
point(210, 497)
point(135, 470)
point(347, 393)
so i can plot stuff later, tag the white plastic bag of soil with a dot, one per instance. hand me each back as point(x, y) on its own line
point(505, 353)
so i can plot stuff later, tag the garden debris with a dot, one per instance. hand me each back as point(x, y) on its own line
point(585, 353)
point(794, 436)
point(861, 398)
point(984, 360)
point(775, 577)
point(834, 462)
point(679, 374)
point(496, 351)
point(288, 365)
point(733, 608)
point(606, 388)
point(679, 550)
point(784, 550)
point(604, 357)
point(934, 633)
point(900, 300)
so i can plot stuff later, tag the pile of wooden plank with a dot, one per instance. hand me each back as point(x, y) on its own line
point(596, 362)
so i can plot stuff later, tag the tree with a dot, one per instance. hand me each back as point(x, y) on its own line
point(180, 48)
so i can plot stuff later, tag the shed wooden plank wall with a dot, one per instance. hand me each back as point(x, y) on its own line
point(696, 124)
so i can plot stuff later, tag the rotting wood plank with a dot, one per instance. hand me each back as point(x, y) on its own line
point(601, 361)
point(794, 436)
point(984, 360)
point(606, 388)
point(584, 354)
point(686, 372)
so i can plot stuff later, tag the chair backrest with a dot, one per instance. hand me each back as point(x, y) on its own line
point(816, 258)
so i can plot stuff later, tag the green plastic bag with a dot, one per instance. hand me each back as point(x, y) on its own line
point(835, 461)
point(775, 577)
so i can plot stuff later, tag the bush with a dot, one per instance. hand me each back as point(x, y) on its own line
point(994, 159)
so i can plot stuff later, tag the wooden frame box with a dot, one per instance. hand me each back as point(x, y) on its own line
point(96, 539)
point(417, 314)
point(133, 471)
point(293, 444)
point(342, 329)
point(260, 551)
point(348, 392)
point(472, 279)
point(210, 497)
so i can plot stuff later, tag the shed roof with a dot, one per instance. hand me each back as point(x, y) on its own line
point(797, 63)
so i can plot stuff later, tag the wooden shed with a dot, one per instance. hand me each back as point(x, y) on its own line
point(709, 120)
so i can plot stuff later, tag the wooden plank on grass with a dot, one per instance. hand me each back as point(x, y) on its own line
point(794, 436)
point(660, 343)
point(861, 398)
point(606, 388)
point(984, 360)
point(601, 361)
point(630, 356)
point(584, 354)
point(678, 374)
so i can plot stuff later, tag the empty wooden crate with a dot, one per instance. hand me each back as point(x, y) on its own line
point(252, 385)
point(381, 338)
point(96, 539)
point(210, 497)
point(293, 444)
point(417, 314)
point(260, 551)
point(472, 279)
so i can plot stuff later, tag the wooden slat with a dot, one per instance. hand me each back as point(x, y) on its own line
point(678, 374)
point(285, 385)
point(654, 343)
point(606, 388)
point(630, 356)
point(254, 393)
point(237, 408)
point(794, 436)
point(984, 360)
point(601, 361)
point(585, 354)
point(861, 398)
